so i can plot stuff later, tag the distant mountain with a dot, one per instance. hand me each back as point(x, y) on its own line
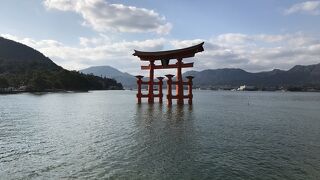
point(127, 80)
point(24, 67)
point(298, 76)
point(19, 58)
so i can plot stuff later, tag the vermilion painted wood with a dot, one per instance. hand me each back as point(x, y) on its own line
point(160, 95)
point(190, 95)
point(139, 82)
point(150, 86)
point(171, 54)
point(165, 57)
point(179, 85)
point(170, 66)
point(169, 88)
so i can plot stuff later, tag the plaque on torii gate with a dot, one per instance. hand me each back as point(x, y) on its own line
point(165, 57)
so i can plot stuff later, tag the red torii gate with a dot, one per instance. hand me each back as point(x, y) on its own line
point(165, 57)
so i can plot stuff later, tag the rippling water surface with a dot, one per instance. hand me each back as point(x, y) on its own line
point(105, 134)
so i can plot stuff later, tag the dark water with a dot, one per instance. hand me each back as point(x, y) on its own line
point(105, 134)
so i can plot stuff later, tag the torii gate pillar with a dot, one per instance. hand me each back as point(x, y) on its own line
point(150, 85)
point(179, 86)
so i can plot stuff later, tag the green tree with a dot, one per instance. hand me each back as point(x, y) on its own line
point(39, 82)
point(3, 83)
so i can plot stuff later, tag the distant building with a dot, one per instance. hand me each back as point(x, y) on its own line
point(247, 88)
point(6, 90)
point(22, 88)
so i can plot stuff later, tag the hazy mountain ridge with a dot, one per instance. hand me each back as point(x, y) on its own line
point(297, 76)
point(24, 68)
point(19, 58)
point(126, 79)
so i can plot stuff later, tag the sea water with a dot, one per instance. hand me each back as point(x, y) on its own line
point(105, 134)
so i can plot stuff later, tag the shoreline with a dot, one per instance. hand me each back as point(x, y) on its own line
point(86, 91)
point(53, 91)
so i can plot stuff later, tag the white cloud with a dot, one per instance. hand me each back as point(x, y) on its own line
point(91, 52)
point(308, 7)
point(250, 52)
point(185, 43)
point(238, 38)
point(255, 52)
point(103, 16)
point(234, 38)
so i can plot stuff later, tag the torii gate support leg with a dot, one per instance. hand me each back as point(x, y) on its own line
point(139, 94)
point(160, 89)
point(190, 95)
point(169, 89)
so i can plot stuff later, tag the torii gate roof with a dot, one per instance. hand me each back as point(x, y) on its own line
point(171, 54)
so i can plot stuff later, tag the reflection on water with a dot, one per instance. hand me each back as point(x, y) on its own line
point(105, 134)
point(154, 111)
point(165, 135)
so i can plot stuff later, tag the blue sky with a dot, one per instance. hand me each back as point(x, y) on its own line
point(249, 34)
